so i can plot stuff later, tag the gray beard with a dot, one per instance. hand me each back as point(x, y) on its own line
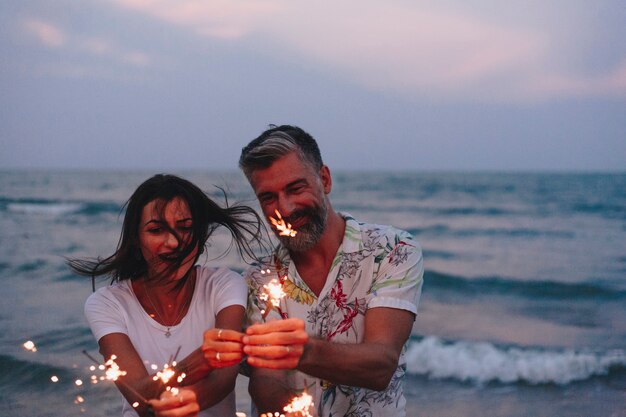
point(309, 234)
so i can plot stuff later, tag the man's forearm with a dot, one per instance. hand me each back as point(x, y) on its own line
point(370, 364)
point(270, 390)
point(366, 365)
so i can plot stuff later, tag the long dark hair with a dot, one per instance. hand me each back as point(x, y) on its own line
point(243, 223)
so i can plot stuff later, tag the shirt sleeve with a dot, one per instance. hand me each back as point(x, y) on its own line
point(104, 314)
point(398, 283)
point(229, 289)
point(254, 282)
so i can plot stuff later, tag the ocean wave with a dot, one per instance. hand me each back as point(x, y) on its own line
point(30, 375)
point(54, 207)
point(47, 208)
point(481, 362)
point(534, 289)
point(69, 339)
point(440, 229)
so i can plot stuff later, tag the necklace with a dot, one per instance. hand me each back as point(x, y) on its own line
point(184, 306)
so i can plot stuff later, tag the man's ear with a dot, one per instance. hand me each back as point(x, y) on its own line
point(327, 181)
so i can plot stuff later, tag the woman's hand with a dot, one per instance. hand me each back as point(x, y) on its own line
point(277, 344)
point(223, 347)
point(176, 403)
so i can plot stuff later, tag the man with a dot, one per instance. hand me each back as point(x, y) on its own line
point(352, 291)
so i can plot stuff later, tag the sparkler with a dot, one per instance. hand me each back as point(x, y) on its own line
point(298, 407)
point(272, 294)
point(284, 229)
point(113, 373)
point(168, 371)
point(273, 291)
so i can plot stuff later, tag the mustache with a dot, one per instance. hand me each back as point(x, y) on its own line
point(298, 214)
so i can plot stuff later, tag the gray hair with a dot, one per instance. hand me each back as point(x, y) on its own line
point(277, 142)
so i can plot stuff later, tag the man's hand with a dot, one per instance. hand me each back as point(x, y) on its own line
point(277, 344)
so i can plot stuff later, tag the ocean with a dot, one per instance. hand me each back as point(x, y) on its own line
point(523, 311)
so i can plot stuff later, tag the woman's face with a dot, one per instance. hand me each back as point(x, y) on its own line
point(163, 231)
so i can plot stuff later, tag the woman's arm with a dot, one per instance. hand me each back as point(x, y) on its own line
point(136, 385)
point(225, 339)
point(210, 385)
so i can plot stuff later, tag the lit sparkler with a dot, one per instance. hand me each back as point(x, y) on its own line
point(168, 371)
point(300, 406)
point(113, 373)
point(165, 374)
point(284, 229)
point(272, 294)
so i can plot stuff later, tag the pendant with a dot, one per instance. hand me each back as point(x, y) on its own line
point(167, 333)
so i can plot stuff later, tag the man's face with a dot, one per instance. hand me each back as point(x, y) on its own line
point(299, 193)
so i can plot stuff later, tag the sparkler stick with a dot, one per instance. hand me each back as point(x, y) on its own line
point(114, 372)
point(271, 295)
point(273, 291)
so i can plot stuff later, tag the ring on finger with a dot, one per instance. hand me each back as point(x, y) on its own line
point(217, 356)
point(219, 334)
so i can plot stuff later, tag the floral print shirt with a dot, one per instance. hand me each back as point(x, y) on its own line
point(375, 266)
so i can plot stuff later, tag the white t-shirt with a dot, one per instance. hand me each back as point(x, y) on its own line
point(115, 309)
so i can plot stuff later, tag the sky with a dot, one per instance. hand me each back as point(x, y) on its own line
point(382, 85)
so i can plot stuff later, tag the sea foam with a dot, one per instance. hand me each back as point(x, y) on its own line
point(483, 362)
point(56, 209)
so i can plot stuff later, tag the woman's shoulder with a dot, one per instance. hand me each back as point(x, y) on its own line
point(115, 291)
point(213, 273)
point(212, 278)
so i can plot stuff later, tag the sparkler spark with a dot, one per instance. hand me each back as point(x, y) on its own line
point(30, 345)
point(298, 407)
point(283, 228)
point(112, 373)
point(164, 374)
point(272, 294)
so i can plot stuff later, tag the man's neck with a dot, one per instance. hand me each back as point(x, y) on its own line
point(313, 265)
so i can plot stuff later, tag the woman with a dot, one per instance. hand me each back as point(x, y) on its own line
point(160, 303)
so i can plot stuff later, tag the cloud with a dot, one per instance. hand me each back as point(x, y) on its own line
point(46, 33)
point(415, 50)
point(83, 49)
point(412, 48)
point(611, 83)
point(229, 19)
